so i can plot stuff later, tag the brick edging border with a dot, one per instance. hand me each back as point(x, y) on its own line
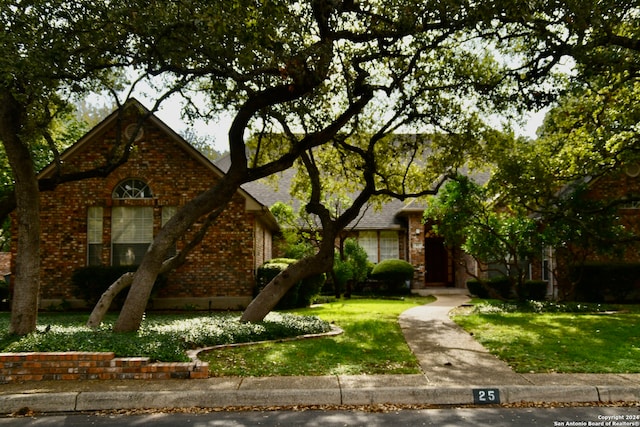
point(77, 365)
point(82, 365)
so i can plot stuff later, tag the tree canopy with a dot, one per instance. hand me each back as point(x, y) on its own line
point(319, 73)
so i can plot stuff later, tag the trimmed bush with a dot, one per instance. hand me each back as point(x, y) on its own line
point(395, 273)
point(534, 290)
point(477, 289)
point(89, 283)
point(608, 282)
point(497, 287)
point(300, 295)
point(502, 288)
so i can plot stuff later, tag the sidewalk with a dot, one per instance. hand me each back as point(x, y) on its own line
point(457, 371)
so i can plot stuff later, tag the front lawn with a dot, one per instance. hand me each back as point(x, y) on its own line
point(161, 338)
point(372, 343)
point(575, 338)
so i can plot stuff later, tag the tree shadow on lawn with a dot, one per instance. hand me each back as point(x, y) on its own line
point(363, 349)
point(564, 342)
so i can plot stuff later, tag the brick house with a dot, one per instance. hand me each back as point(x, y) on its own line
point(619, 186)
point(395, 231)
point(111, 221)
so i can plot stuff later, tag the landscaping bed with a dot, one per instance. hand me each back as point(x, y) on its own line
point(165, 338)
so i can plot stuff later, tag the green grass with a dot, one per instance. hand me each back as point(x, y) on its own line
point(161, 337)
point(545, 338)
point(372, 343)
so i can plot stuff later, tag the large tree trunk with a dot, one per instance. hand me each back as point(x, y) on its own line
point(215, 198)
point(267, 299)
point(24, 310)
point(103, 304)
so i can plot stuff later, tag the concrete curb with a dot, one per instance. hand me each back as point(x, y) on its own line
point(350, 396)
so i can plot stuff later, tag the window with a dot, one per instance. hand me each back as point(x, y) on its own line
point(132, 189)
point(131, 233)
point(94, 235)
point(131, 226)
point(167, 213)
point(379, 245)
point(368, 240)
point(389, 248)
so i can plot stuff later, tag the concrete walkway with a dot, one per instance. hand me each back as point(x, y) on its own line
point(447, 354)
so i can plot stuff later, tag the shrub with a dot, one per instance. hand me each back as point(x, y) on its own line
point(534, 290)
point(299, 295)
point(502, 288)
point(4, 295)
point(352, 268)
point(608, 282)
point(395, 273)
point(89, 283)
point(497, 287)
point(477, 289)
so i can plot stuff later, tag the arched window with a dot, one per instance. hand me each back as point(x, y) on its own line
point(132, 189)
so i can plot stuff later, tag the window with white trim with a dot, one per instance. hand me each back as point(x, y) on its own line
point(389, 247)
point(131, 233)
point(94, 235)
point(368, 240)
point(131, 226)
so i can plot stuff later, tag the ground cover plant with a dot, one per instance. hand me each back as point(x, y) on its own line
point(545, 337)
point(161, 337)
point(372, 343)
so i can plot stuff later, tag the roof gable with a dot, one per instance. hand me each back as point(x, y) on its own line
point(112, 120)
point(251, 203)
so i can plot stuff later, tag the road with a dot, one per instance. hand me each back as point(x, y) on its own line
point(494, 417)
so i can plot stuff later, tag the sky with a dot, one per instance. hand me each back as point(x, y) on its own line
point(216, 131)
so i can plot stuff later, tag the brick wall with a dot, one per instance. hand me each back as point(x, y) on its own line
point(617, 186)
point(218, 273)
point(16, 367)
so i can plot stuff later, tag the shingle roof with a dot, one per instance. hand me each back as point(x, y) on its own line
point(385, 217)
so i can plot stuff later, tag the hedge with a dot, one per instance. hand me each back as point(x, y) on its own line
point(395, 273)
point(300, 295)
point(89, 283)
point(612, 282)
point(502, 287)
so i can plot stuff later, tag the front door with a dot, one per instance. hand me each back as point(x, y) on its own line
point(436, 261)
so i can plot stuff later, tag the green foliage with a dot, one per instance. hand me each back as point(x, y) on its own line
point(503, 288)
point(395, 273)
point(161, 337)
point(301, 294)
point(89, 283)
point(393, 269)
point(296, 243)
point(611, 282)
point(465, 216)
point(352, 265)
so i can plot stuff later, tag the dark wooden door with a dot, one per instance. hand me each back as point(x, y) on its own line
point(436, 260)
